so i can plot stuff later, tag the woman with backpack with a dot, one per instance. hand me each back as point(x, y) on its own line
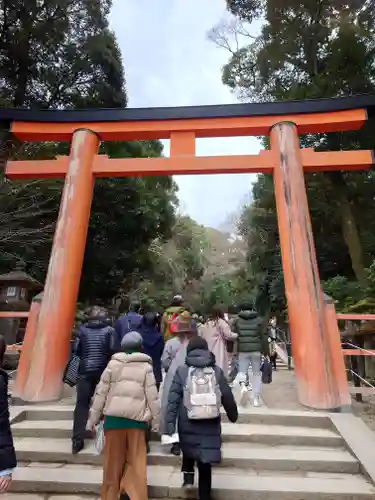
point(198, 390)
point(170, 315)
point(217, 333)
point(174, 356)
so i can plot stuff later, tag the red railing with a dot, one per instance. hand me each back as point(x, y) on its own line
point(356, 317)
point(14, 314)
point(358, 350)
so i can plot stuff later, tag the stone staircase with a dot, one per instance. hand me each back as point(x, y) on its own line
point(268, 455)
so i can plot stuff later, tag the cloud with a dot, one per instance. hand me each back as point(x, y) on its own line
point(170, 62)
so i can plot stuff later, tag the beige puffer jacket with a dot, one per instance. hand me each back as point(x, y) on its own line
point(127, 389)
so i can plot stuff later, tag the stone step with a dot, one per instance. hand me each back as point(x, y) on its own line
point(240, 455)
point(251, 433)
point(246, 416)
point(165, 482)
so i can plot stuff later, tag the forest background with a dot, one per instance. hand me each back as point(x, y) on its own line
point(63, 54)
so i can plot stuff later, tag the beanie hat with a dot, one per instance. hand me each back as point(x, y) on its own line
point(197, 343)
point(131, 341)
point(98, 313)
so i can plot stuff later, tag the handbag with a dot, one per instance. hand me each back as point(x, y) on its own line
point(168, 440)
point(70, 376)
point(99, 437)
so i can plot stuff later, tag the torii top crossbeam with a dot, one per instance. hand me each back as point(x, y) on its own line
point(315, 338)
point(311, 116)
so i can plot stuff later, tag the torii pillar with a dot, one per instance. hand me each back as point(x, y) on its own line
point(53, 325)
point(319, 362)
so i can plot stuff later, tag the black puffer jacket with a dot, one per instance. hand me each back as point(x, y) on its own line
point(94, 345)
point(7, 453)
point(199, 439)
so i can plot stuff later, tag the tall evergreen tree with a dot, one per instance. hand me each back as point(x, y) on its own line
point(62, 54)
point(59, 54)
point(313, 49)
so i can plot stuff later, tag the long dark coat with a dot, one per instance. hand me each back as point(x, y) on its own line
point(153, 344)
point(7, 453)
point(199, 439)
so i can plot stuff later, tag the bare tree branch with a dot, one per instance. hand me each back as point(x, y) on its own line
point(227, 34)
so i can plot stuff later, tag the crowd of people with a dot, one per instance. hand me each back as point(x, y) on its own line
point(169, 374)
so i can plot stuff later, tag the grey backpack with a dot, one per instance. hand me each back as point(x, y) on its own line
point(202, 396)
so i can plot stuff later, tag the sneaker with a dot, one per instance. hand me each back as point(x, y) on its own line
point(188, 480)
point(244, 399)
point(176, 449)
point(257, 401)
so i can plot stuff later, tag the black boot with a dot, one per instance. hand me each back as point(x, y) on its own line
point(204, 481)
point(77, 447)
point(188, 480)
point(176, 449)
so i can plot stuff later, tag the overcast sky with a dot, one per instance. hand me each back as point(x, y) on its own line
point(169, 62)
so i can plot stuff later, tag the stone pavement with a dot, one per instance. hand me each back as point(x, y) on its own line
point(282, 394)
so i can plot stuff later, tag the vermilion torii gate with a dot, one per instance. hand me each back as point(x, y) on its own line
point(315, 338)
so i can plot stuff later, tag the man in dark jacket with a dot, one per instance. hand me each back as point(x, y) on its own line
point(94, 345)
point(8, 460)
point(252, 343)
point(153, 344)
point(200, 440)
point(129, 322)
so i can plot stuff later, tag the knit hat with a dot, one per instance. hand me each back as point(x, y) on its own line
point(131, 341)
point(98, 313)
point(197, 343)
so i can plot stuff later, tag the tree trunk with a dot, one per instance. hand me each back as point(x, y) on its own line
point(349, 227)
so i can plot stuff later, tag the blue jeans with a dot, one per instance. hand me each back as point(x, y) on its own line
point(253, 359)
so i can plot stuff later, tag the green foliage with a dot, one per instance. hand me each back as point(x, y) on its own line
point(311, 49)
point(350, 296)
point(62, 54)
point(59, 53)
point(175, 266)
point(345, 292)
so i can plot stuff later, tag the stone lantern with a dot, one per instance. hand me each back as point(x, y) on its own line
point(17, 289)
